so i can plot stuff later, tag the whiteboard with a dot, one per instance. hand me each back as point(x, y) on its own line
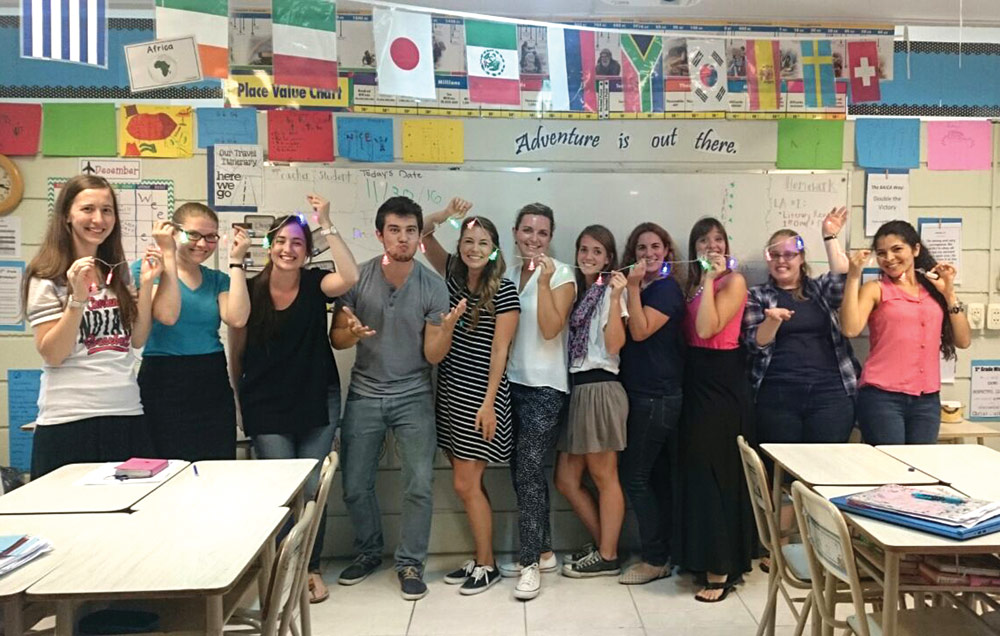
point(752, 205)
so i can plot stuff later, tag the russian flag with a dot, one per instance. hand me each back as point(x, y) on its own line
point(572, 64)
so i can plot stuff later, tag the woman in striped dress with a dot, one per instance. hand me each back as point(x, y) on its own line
point(473, 397)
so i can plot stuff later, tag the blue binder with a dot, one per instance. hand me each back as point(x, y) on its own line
point(960, 533)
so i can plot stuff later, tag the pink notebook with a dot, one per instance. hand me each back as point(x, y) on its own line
point(137, 468)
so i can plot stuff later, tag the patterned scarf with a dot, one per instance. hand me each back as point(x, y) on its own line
point(579, 321)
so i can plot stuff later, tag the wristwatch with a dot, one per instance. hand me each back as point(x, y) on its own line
point(237, 266)
point(958, 308)
point(329, 231)
point(829, 237)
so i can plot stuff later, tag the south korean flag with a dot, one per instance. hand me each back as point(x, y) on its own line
point(707, 69)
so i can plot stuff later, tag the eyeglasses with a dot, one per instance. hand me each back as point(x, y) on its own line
point(194, 237)
point(778, 256)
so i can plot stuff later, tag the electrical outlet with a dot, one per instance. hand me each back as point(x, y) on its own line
point(993, 316)
point(977, 315)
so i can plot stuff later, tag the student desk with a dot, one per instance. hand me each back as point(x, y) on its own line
point(838, 465)
point(967, 463)
point(895, 541)
point(955, 432)
point(194, 564)
point(58, 492)
point(63, 531)
point(264, 482)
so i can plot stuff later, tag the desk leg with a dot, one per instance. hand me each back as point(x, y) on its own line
point(981, 441)
point(214, 620)
point(65, 618)
point(776, 483)
point(264, 576)
point(891, 594)
point(13, 616)
point(300, 504)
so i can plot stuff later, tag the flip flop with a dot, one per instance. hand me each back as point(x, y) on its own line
point(765, 566)
point(725, 586)
point(312, 592)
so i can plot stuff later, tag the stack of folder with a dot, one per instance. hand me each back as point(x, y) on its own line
point(18, 549)
point(935, 509)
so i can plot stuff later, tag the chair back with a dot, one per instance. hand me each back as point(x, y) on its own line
point(830, 553)
point(285, 588)
point(760, 498)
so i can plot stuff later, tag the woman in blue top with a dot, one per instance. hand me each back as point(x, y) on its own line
point(183, 379)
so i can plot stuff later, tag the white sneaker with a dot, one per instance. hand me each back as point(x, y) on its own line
point(529, 584)
point(511, 570)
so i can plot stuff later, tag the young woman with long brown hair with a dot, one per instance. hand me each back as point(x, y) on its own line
point(79, 302)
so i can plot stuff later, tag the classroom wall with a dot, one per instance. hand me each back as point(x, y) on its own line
point(972, 196)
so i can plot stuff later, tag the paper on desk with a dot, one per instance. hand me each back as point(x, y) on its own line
point(32, 548)
point(104, 475)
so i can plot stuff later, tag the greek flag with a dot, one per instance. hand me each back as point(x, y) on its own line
point(65, 30)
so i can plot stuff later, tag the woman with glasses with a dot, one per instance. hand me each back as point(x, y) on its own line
point(183, 380)
point(282, 363)
point(803, 372)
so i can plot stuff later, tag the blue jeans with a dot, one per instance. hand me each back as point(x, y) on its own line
point(366, 420)
point(314, 443)
point(648, 469)
point(887, 417)
point(804, 413)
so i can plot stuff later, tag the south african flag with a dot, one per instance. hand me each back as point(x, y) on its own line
point(642, 73)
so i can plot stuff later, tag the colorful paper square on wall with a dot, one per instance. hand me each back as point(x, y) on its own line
point(156, 131)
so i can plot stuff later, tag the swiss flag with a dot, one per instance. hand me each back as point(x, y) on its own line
point(404, 53)
point(862, 64)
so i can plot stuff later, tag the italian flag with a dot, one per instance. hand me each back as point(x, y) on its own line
point(304, 34)
point(207, 21)
point(491, 60)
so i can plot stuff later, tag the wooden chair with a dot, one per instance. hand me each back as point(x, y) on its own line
point(280, 605)
point(322, 494)
point(789, 567)
point(830, 553)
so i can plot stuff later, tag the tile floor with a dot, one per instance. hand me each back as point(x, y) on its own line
point(565, 607)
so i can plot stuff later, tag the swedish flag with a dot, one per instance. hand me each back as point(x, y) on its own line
point(817, 74)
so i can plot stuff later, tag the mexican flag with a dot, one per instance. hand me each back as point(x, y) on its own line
point(491, 60)
point(304, 34)
point(207, 21)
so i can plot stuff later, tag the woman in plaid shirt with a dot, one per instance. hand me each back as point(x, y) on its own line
point(803, 371)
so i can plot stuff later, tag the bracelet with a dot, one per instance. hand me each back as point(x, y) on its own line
point(830, 237)
point(329, 231)
point(237, 266)
point(76, 304)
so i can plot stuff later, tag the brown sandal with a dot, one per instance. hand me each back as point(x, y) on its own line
point(313, 598)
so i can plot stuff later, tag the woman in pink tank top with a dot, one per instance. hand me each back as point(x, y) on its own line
point(717, 538)
point(912, 313)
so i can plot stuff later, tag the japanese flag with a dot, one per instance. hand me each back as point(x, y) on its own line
point(404, 53)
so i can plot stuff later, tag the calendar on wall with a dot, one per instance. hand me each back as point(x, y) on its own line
point(140, 205)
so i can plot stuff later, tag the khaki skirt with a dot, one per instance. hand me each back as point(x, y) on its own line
point(598, 411)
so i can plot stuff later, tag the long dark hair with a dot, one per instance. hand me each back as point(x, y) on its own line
point(702, 227)
point(922, 260)
point(263, 315)
point(603, 236)
point(673, 252)
point(57, 253)
point(490, 279)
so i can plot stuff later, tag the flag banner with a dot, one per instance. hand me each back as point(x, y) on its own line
point(642, 73)
point(707, 72)
point(862, 64)
point(572, 61)
point(404, 52)
point(207, 21)
point(65, 31)
point(763, 82)
point(304, 34)
point(491, 60)
point(817, 74)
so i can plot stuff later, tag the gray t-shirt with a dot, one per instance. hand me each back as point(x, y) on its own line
point(391, 363)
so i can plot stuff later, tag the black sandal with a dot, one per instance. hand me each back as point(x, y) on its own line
point(725, 586)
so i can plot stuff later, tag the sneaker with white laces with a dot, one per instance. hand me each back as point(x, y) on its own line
point(483, 577)
point(457, 577)
point(411, 583)
point(511, 570)
point(529, 584)
point(592, 565)
point(580, 554)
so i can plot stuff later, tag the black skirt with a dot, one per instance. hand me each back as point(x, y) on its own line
point(189, 406)
point(716, 525)
point(105, 438)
